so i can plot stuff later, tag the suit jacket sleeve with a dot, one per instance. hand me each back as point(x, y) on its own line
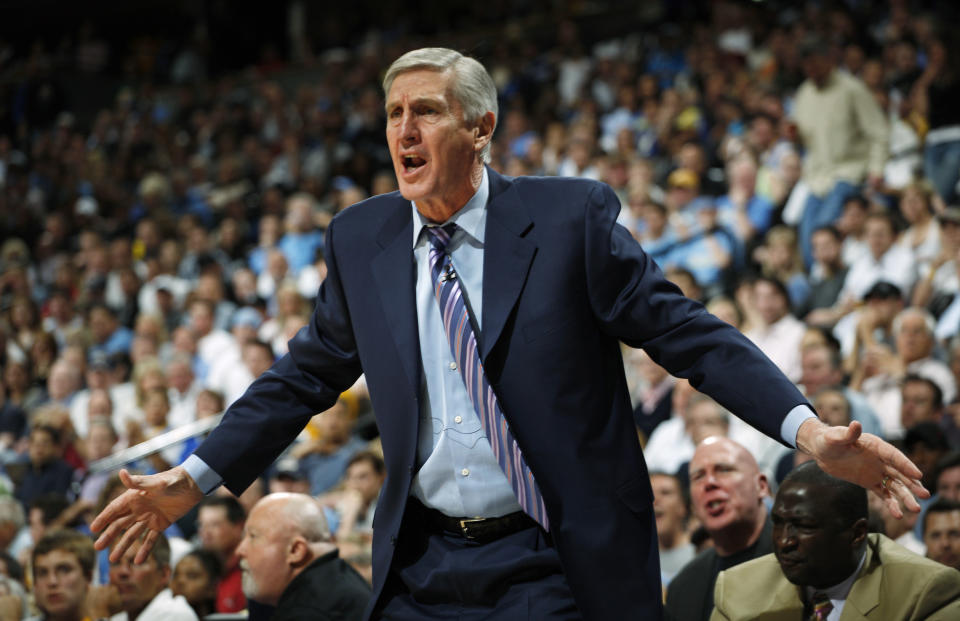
point(322, 362)
point(634, 302)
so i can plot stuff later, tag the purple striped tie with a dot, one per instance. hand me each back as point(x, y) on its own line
point(463, 346)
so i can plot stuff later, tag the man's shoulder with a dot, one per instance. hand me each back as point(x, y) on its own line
point(167, 607)
point(329, 587)
point(895, 557)
point(765, 565)
point(369, 210)
point(900, 580)
point(693, 573)
point(553, 191)
point(755, 586)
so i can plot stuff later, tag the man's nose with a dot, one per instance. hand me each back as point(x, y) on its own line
point(409, 132)
point(710, 480)
point(787, 537)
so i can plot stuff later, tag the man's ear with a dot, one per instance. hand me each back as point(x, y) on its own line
point(859, 531)
point(483, 131)
point(763, 486)
point(298, 552)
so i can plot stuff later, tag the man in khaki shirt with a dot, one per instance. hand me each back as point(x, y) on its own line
point(844, 135)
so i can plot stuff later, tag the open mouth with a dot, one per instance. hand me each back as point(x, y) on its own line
point(715, 507)
point(412, 162)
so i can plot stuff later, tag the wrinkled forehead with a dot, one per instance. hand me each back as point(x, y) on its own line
point(420, 83)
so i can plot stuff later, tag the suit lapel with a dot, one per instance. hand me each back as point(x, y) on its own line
point(865, 594)
point(395, 276)
point(507, 256)
point(787, 603)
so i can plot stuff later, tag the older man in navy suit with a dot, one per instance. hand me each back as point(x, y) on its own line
point(487, 314)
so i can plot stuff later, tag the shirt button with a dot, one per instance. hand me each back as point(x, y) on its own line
point(453, 366)
point(458, 419)
point(465, 472)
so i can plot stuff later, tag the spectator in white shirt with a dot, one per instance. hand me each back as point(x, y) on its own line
point(922, 237)
point(939, 278)
point(212, 342)
point(142, 589)
point(183, 389)
point(780, 333)
point(884, 261)
point(851, 225)
point(883, 369)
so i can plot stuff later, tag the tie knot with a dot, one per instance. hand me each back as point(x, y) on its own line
point(821, 606)
point(440, 236)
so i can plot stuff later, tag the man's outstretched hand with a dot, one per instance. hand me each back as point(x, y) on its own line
point(150, 504)
point(863, 458)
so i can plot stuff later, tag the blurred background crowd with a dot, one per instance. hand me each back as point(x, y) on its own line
point(167, 173)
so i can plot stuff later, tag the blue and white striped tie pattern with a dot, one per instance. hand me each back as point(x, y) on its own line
point(463, 346)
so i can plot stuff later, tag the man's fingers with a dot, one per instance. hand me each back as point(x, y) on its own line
point(126, 541)
point(898, 495)
point(893, 505)
point(115, 527)
point(113, 511)
point(894, 458)
point(147, 546)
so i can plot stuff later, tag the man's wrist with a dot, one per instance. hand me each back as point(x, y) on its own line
point(203, 475)
point(790, 427)
point(807, 432)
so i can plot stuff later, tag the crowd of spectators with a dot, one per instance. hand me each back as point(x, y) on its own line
point(794, 168)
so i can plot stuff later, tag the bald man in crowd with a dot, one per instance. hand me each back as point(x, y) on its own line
point(290, 561)
point(727, 491)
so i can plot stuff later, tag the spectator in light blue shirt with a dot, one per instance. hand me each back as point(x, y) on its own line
point(303, 238)
point(108, 336)
point(741, 211)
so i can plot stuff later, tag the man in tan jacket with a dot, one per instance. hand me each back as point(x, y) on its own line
point(826, 567)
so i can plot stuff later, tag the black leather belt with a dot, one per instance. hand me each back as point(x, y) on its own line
point(474, 528)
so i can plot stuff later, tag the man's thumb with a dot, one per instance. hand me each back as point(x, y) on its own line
point(131, 481)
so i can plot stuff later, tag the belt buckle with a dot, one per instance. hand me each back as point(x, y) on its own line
point(466, 523)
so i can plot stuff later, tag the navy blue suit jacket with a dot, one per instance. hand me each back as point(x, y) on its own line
point(563, 285)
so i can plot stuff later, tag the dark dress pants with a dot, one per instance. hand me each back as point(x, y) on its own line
point(440, 575)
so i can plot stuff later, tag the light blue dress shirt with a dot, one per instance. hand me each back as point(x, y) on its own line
point(457, 471)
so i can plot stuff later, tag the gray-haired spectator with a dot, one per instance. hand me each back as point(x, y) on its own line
point(14, 535)
point(290, 561)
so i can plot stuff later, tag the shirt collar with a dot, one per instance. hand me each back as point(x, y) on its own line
point(470, 218)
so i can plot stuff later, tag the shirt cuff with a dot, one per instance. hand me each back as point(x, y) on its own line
point(791, 424)
point(207, 480)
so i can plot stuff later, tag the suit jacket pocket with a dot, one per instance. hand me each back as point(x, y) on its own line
point(547, 324)
point(635, 495)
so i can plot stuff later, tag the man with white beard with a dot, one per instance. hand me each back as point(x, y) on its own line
point(289, 560)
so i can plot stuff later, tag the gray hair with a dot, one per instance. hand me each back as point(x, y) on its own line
point(306, 517)
point(11, 512)
point(928, 321)
point(472, 86)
